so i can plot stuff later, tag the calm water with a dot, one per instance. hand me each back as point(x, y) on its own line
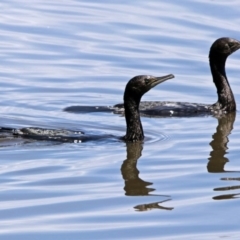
point(182, 183)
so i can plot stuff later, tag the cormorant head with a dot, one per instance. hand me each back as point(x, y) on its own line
point(139, 85)
point(224, 47)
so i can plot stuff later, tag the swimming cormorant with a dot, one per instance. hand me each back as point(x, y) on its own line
point(135, 89)
point(219, 51)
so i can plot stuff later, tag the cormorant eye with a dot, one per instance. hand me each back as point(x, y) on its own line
point(231, 44)
point(147, 80)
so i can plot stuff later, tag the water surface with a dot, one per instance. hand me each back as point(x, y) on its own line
point(183, 182)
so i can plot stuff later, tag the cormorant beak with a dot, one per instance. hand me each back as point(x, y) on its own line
point(156, 80)
point(235, 47)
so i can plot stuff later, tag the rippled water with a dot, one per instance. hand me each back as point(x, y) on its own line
point(182, 183)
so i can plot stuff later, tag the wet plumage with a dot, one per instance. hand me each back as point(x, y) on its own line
point(219, 51)
point(135, 89)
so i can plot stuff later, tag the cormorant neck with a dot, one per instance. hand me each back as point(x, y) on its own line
point(226, 99)
point(134, 130)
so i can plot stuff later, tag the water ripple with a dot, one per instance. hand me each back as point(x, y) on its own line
point(53, 55)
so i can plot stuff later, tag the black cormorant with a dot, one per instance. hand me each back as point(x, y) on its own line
point(219, 51)
point(135, 89)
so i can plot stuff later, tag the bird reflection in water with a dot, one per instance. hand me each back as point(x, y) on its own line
point(134, 185)
point(150, 206)
point(217, 159)
point(228, 188)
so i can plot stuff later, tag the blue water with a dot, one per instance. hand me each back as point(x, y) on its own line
point(182, 183)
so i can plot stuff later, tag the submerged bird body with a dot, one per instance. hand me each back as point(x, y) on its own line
point(169, 109)
point(135, 89)
point(57, 135)
point(219, 51)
